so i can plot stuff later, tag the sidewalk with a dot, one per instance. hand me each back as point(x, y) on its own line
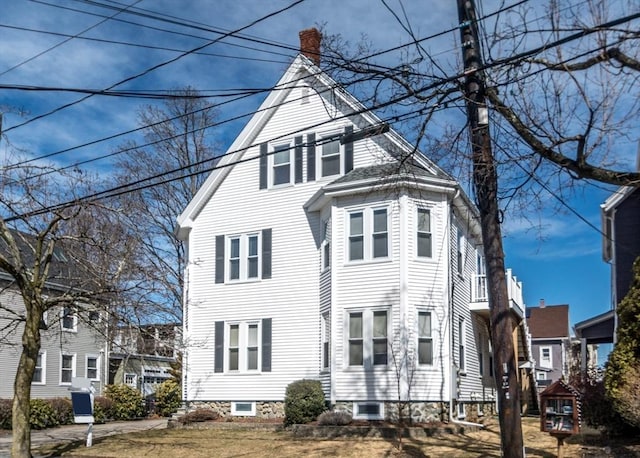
point(72, 433)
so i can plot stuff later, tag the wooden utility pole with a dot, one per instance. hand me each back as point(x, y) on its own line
point(485, 180)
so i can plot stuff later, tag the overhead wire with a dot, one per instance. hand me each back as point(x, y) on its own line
point(162, 64)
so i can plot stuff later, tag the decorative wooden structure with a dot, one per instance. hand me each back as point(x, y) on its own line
point(560, 412)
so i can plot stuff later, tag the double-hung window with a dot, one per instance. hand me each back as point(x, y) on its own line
point(244, 257)
point(243, 347)
point(93, 367)
point(69, 319)
point(326, 244)
point(545, 357)
point(425, 339)
point(39, 375)
point(368, 234)
point(367, 338)
point(326, 332)
point(330, 156)
point(462, 338)
point(424, 237)
point(67, 368)
point(281, 165)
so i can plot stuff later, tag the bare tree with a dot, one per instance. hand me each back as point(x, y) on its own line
point(32, 241)
point(178, 138)
point(562, 96)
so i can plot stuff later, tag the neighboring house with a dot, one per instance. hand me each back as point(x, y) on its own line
point(318, 251)
point(72, 344)
point(620, 247)
point(142, 356)
point(550, 341)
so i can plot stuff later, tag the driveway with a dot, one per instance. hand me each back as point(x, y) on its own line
point(73, 433)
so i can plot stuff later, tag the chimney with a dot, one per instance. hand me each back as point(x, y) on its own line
point(310, 44)
point(542, 304)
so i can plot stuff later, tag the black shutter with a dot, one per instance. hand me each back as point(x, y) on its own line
point(219, 258)
point(298, 159)
point(218, 363)
point(263, 165)
point(311, 157)
point(266, 253)
point(266, 345)
point(348, 151)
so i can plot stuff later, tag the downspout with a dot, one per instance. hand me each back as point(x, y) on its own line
point(452, 418)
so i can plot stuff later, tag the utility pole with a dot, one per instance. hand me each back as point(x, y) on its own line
point(485, 180)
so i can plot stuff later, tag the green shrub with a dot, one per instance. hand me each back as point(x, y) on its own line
point(127, 403)
point(168, 398)
point(335, 418)
point(198, 415)
point(102, 407)
point(42, 414)
point(303, 402)
point(5, 413)
point(63, 410)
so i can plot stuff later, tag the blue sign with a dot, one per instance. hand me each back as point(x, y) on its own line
point(82, 406)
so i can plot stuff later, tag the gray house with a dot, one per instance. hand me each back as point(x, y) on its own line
point(550, 341)
point(72, 345)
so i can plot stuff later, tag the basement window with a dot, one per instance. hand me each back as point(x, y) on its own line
point(368, 411)
point(243, 409)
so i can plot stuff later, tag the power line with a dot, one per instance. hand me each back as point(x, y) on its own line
point(164, 63)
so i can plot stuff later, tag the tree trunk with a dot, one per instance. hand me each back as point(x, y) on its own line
point(21, 408)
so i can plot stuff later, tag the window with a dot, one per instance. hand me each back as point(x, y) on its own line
point(330, 156)
point(244, 409)
point(481, 363)
point(367, 338)
point(461, 244)
point(541, 375)
point(243, 347)
point(69, 319)
point(282, 165)
point(356, 236)
point(368, 411)
point(356, 342)
point(67, 368)
point(462, 330)
point(380, 338)
point(425, 340)
point(131, 380)
point(368, 234)
point(39, 375)
point(93, 367)
point(425, 248)
point(94, 316)
point(326, 332)
point(545, 357)
point(244, 257)
point(380, 234)
point(326, 244)
point(461, 411)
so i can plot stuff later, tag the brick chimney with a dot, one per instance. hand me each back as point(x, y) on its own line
point(310, 44)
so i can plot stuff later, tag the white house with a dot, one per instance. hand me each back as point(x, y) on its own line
point(317, 250)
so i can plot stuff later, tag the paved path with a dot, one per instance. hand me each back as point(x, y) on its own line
point(72, 433)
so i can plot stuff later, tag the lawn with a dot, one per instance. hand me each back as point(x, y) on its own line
point(182, 443)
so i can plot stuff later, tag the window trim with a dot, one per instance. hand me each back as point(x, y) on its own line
point(368, 234)
point(429, 233)
point(367, 338)
point(462, 343)
point(325, 350)
point(74, 316)
point(542, 362)
point(243, 257)
point(73, 367)
point(43, 369)
point(87, 357)
point(461, 246)
point(242, 346)
point(135, 379)
point(243, 413)
point(419, 337)
point(275, 149)
point(320, 139)
point(366, 416)
point(460, 410)
point(325, 245)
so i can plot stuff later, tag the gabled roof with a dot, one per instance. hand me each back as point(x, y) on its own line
point(300, 67)
point(548, 322)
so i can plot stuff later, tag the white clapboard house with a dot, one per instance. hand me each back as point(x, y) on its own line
point(319, 251)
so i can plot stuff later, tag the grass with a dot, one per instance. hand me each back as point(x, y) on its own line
point(183, 443)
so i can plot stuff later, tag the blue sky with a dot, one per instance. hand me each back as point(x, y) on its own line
point(560, 264)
